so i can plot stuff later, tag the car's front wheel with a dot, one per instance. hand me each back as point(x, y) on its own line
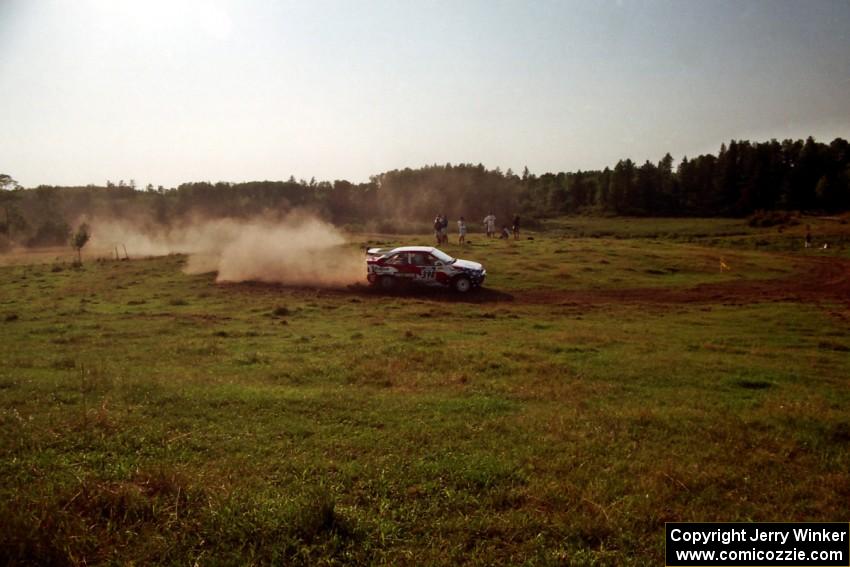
point(462, 284)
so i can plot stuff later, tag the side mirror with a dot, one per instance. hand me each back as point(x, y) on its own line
point(438, 263)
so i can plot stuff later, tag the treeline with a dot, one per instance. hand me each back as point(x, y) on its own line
point(742, 178)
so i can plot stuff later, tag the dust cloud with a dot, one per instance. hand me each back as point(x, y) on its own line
point(298, 249)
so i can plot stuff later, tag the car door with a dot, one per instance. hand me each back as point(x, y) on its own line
point(401, 263)
point(442, 272)
point(425, 268)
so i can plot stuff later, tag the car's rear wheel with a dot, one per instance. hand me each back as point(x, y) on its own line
point(462, 284)
point(388, 283)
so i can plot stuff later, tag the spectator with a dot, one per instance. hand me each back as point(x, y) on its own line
point(490, 225)
point(444, 230)
point(461, 231)
point(516, 227)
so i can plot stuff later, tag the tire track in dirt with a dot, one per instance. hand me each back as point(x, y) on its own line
point(814, 279)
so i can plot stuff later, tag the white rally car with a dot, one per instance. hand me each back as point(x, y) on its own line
point(389, 267)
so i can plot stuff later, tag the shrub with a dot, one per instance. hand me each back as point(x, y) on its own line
point(764, 219)
point(281, 311)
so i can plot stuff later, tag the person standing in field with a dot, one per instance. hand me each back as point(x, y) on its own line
point(438, 229)
point(490, 225)
point(516, 227)
point(461, 231)
point(444, 229)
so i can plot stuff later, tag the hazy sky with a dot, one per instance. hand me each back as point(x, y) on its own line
point(166, 91)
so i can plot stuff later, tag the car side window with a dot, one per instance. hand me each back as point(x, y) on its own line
point(420, 259)
point(398, 259)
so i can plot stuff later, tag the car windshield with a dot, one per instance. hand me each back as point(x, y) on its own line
point(442, 256)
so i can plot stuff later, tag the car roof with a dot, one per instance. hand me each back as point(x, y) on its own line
point(428, 249)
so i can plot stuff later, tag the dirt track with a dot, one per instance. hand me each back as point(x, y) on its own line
point(814, 279)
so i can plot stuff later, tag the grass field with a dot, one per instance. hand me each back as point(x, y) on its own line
point(609, 378)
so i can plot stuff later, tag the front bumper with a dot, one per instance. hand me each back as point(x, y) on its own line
point(477, 278)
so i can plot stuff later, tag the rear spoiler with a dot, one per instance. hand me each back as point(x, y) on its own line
point(377, 252)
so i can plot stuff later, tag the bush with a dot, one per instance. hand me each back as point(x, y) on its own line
point(765, 219)
point(281, 311)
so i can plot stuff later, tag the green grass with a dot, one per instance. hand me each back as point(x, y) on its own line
point(722, 233)
point(149, 416)
point(552, 260)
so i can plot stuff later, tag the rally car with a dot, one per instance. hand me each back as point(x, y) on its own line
point(389, 267)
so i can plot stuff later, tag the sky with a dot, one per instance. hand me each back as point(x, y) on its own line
point(169, 91)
